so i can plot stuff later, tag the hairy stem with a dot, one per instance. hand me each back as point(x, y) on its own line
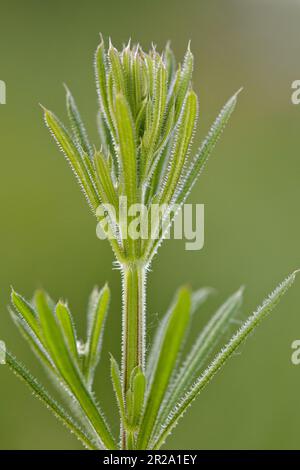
point(133, 354)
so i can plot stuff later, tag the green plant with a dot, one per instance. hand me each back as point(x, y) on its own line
point(147, 118)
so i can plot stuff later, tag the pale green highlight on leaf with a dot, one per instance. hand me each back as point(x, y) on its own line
point(238, 338)
point(41, 393)
point(201, 349)
point(171, 343)
point(65, 321)
point(117, 385)
point(70, 373)
point(146, 118)
point(97, 316)
point(78, 128)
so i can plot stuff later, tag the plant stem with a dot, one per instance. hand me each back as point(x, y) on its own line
point(133, 353)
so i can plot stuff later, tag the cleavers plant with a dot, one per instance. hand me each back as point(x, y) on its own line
point(147, 118)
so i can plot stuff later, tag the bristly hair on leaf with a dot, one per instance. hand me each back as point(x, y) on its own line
point(147, 117)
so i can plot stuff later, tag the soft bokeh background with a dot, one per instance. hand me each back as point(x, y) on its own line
point(250, 189)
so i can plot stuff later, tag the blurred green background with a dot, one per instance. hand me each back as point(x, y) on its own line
point(250, 190)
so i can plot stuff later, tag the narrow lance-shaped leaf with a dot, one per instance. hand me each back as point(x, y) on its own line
point(127, 149)
point(39, 391)
point(106, 218)
point(174, 170)
point(155, 180)
point(175, 331)
point(185, 76)
point(170, 62)
point(101, 72)
point(127, 59)
point(238, 338)
point(137, 79)
point(126, 140)
point(201, 349)
point(156, 346)
point(117, 70)
point(104, 181)
point(134, 405)
point(117, 385)
point(71, 153)
point(205, 149)
point(167, 134)
point(107, 144)
point(96, 322)
point(87, 161)
point(37, 343)
point(33, 341)
point(130, 437)
point(208, 338)
point(197, 165)
point(158, 112)
point(38, 347)
point(137, 387)
point(27, 312)
point(183, 137)
point(67, 327)
point(197, 299)
point(70, 373)
point(78, 127)
point(140, 119)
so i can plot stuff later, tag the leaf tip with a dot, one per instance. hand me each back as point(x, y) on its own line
point(45, 110)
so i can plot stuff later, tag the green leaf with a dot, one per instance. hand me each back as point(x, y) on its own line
point(188, 180)
point(70, 373)
point(238, 338)
point(137, 79)
point(211, 333)
point(107, 142)
point(199, 161)
point(33, 341)
point(158, 111)
point(127, 59)
point(170, 62)
point(201, 349)
point(183, 138)
point(39, 391)
point(197, 299)
point(135, 396)
point(126, 139)
point(140, 119)
point(117, 70)
point(174, 170)
point(26, 311)
point(101, 73)
point(137, 388)
point(167, 133)
point(98, 308)
point(155, 179)
point(74, 158)
point(67, 327)
point(184, 82)
point(78, 127)
point(117, 385)
point(104, 181)
point(39, 349)
point(171, 343)
point(130, 434)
